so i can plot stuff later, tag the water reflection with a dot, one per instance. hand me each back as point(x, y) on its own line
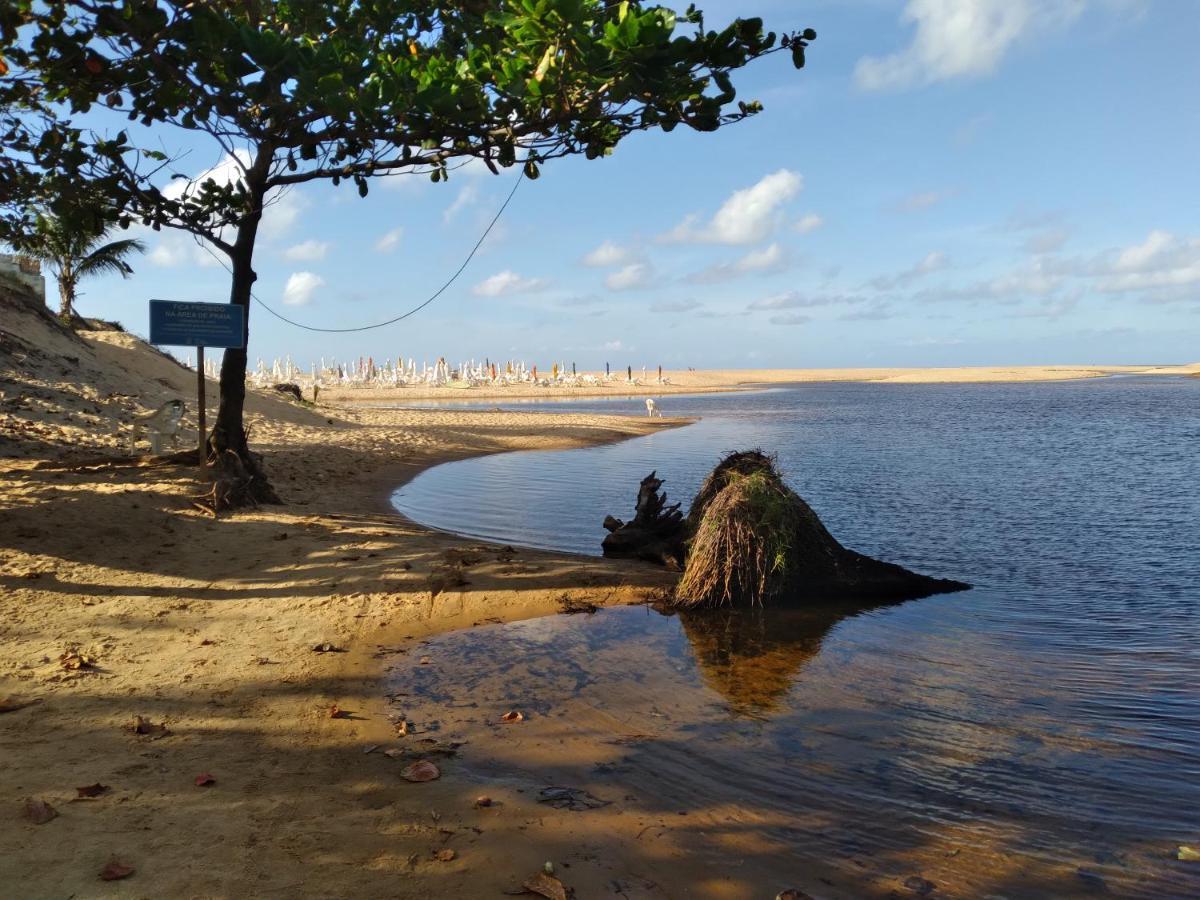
point(752, 657)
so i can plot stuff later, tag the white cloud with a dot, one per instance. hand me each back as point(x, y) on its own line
point(675, 306)
point(467, 196)
point(760, 260)
point(614, 345)
point(1162, 261)
point(389, 241)
point(300, 288)
point(921, 200)
point(631, 277)
point(747, 217)
point(170, 251)
point(1139, 256)
point(933, 261)
point(606, 255)
point(507, 282)
point(797, 300)
point(307, 251)
point(809, 223)
point(961, 39)
point(228, 171)
point(768, 259)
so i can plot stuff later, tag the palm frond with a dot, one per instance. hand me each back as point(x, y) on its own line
point(110, 258)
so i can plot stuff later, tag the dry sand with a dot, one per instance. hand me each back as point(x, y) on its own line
point(207, 627)
point(712, 380)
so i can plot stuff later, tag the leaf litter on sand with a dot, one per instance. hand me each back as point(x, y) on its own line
point(204, 779)
point(513, 716)
point(37, 811)
point(444, 855)
point(575, 799)
point(91, 791)
point(145, 728)
point(422, 770)
point(545, 885)
point(115, 871)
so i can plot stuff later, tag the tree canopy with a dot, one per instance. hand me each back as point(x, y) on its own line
point(345, 90)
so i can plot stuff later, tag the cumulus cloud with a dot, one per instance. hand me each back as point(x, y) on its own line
point(809, 223)
point(390, 241)
point(932, 262)
point(749, 216)
point(1162, 260)
point(466, 197)
point(769, 259)
point(300, 288)
point(306, 251)
point(505, 283)
point(961, 39)
point(608, 254)
point(798, 300)
point(631, 277)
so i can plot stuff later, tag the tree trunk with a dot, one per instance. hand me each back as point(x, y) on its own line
point(229, 433)
point(66, 295)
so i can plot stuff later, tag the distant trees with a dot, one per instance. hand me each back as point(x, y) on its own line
point(72, 252)
point(303, 90)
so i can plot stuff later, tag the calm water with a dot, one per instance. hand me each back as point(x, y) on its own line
point(1038, 735)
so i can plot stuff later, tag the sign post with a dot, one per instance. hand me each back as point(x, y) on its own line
point(198, 325)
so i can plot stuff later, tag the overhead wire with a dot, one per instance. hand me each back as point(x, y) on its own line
point(416, 309)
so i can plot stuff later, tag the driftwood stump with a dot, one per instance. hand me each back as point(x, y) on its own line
point(656, 532)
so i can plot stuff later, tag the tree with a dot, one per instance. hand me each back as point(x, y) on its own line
point(73, 253)
point(346, 90)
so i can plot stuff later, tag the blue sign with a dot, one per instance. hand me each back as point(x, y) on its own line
point(197, 324)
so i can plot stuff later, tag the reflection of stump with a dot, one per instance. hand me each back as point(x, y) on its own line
point(755, 541)
point(656, 532)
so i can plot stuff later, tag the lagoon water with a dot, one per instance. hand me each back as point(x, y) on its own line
point(1038, 735)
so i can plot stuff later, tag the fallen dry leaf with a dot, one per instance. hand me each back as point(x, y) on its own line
point(513, 716)
point(204, 779)
point(91, 790)
point(73, 660)
point(12, 704)
point(115, 871)
point(146, 728)
point(545, 886)
point(39, 812)
point(445, 855)
point(422, 770)
point(483, 802)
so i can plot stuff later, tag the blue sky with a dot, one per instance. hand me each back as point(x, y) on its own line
point(949, 182)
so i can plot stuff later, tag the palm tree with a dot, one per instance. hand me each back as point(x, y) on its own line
point(73, 254)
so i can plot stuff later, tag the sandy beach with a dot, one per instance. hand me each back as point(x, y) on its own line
point(121, 599)
point(701, 381)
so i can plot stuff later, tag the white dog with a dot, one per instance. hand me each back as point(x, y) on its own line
point(163, 422)
point(652, 409)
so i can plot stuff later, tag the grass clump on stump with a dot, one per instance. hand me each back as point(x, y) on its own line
point(754, 541)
